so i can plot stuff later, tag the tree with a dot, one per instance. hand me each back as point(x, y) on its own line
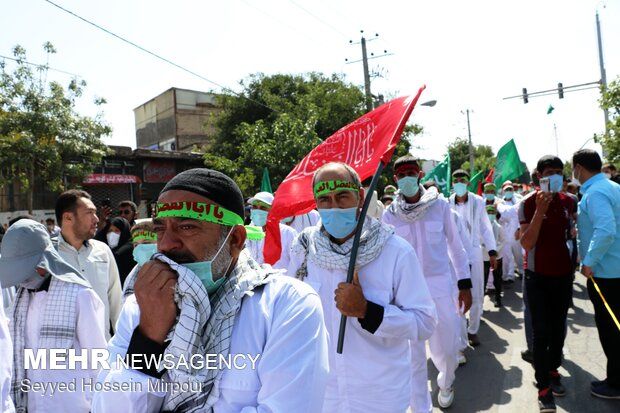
point(610, 140)
point(484, 158)
point(42, 136)
point(284, 117)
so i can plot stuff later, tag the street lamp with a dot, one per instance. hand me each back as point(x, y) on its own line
point(471, 147)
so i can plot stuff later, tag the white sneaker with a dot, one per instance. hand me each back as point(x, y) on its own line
point(445, 398)
point(461, 358)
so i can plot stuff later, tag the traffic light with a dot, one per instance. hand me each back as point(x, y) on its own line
point(561, 90)
point(525, 99)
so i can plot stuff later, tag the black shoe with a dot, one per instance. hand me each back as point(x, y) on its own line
point(546, 404)
point(597, 383)
point(528, 356)
point(498, 302)
point(473, 340)
point(605, 391)
point(557, 388)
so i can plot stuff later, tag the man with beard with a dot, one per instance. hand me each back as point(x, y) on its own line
point(424, 219)
point(77, 216)
point(387, 305)
point(203, 295)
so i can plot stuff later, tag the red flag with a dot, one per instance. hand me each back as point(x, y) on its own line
point(361, 144)
point(488, 179)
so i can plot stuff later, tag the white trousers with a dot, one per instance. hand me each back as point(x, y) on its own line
point(517, 253)
point(443, 345)
point(508, 262)
point(477, 290)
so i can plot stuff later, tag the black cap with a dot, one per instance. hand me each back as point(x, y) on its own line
point(211, 184)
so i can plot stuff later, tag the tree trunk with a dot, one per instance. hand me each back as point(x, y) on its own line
point(31, 190)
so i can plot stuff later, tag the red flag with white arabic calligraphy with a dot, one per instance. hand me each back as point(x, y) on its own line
point(362, 144)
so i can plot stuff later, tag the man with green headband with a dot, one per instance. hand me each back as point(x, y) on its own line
point(387, 305)
point(203, 299)
point(261, 205)
point(470, 208)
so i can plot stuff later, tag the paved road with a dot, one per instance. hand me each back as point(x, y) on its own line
point(496, 379)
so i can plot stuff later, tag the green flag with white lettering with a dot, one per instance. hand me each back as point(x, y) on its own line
point(441, 175)
point(508, 164)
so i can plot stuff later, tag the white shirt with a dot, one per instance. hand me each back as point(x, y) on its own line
point(499, 233)
point(88, 335)
point(509, 218)
point(97, 265)
point(300, 222)
point(474, 215)
point(375, 208)
point(373, 372)
point(283, 322)
point(255, 247)
point(435, 238)
point(8, 295)
point(6, 365)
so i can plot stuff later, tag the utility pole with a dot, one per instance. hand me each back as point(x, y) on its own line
point(367, 75)
point(471, 148)
point(364, 60)
point(602, 66)
point(557, 148)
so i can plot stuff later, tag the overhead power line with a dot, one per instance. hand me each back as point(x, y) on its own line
point(317, 18)
point(157, 56)
point(40, 65)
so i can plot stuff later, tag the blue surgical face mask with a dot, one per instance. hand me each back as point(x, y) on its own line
point(508, 195)
point(203, 270)
point(408, 185)
point(489, 197)
point(460, 188)
point(492, 217)
point(555, 183)
point(143, 252)
point(339, 222)
point(259, 217)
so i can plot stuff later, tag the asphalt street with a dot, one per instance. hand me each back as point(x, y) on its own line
point(496, 379)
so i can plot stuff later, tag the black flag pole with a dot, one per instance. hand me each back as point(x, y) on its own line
point(355, 247)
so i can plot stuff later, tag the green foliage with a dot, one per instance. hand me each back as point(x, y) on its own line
point(610, 100)
point(306, 109)
point(41, 134)
point(484, 158)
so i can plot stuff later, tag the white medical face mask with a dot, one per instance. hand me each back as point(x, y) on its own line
point(113, 239)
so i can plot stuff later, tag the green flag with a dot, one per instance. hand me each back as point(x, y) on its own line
point(265, 185)
point(441, 175)
point(508, 164)
point(550, 109)
point(474, 181)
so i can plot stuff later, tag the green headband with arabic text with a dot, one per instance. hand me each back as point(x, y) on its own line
point(142, 235)
point(200, 211)
point(325, 187)
point(254, 233)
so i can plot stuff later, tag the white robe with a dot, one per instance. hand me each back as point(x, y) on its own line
point(300, 222)
point(435, 237)
point(255, 247)
point(478, 226)
point(6, 365)
point(89, 334)
point(282, 322)
point(373, 374)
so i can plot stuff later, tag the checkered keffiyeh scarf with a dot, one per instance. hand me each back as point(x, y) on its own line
point(315, 244)
point(204, 326)
point(57, 328)
point(412, 212)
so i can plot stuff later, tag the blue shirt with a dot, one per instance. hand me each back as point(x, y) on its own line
point(599, 226)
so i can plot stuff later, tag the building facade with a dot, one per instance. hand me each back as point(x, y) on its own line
point(177, 119)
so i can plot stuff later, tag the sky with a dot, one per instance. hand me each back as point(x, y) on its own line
point(469, 54)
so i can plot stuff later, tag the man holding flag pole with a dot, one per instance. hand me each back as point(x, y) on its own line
point(387, 295)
